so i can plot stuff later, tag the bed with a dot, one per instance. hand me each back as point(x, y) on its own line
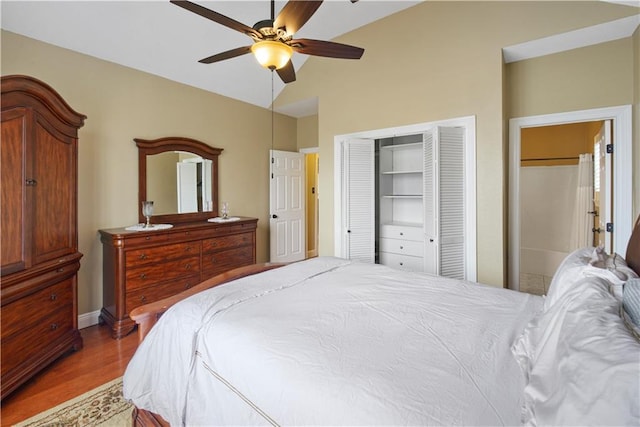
point(328, 341)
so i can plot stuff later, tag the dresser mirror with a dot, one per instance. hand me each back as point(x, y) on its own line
point(180, 175)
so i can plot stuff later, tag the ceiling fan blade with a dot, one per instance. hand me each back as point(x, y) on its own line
point(287, 73)
point(295, 14)
point(226, 55)
point(216, 17)
point(325, 48)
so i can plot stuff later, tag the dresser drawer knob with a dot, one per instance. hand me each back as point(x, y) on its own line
point(147, 238)
point(187, 267)
point(187, 286)
point(53, 297)
point(401, 263)
point(143, 276)
point(60, 270)
point(143, 299)
point(142, 256)
point(53, 326)
point(401, 247)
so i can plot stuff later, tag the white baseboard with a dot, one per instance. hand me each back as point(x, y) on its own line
point(88, 319)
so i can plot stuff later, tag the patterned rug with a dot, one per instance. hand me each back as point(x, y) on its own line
point(103, 406)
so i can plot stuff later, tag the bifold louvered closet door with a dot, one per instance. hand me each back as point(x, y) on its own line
point(358, 191)
point(444, 198)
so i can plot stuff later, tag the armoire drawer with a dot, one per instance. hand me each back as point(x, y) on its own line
point(31, 309)
point(149, 274)
point(402, 247)
point(33, 340)
point(402, 262)
point(158, 254)
point(157, 291)
point(402, 232)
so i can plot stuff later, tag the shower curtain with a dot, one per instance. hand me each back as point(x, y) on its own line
point(581, 233)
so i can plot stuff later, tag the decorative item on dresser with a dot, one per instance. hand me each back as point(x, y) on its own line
point(143, 267)
point(39, 227)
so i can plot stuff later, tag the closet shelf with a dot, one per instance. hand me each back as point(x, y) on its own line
point(402, 196)
point(402, 172)
point(411, 145)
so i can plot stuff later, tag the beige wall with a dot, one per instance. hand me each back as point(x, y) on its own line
point(308, 132)
point(122, 104)
point(441, 60)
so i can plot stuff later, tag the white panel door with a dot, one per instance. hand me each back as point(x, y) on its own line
point(603, 186)
point(358, 225)
point(187, 175)
point(287, 205)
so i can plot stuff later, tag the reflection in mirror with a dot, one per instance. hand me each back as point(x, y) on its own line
point(181, 176)
point(179, 182)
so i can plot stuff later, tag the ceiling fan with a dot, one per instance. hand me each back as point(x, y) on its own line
point(273, 38)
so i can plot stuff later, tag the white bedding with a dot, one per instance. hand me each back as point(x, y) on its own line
point(328, 341)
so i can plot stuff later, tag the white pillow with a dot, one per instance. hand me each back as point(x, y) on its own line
point(581, 363)
point(588, 262)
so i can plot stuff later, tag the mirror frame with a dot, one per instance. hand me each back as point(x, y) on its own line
point(147, 147)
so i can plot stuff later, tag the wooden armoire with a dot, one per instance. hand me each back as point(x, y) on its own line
point(39, 229)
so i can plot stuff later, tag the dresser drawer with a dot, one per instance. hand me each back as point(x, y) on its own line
point(219, 262)
point(402, 262)
point(225, 242)
point(158, 254)
point(18, 348)
point(145, 295)
point(31, 309)
point(149, 274)
point(402, 232)
point(402, 247)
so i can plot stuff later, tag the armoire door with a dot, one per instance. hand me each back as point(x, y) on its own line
point(54, 185)
point(15, 248)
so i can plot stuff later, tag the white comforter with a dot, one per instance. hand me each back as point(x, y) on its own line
point(328, 341)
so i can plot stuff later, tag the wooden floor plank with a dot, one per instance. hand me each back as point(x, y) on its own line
point(102, 359)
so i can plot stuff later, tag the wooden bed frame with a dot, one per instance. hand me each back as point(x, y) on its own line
point(147, 315)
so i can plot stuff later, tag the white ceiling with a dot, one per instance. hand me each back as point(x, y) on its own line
point(160, 38)
point(166, 40)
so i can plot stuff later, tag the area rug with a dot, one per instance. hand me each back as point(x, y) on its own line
point(103, 406)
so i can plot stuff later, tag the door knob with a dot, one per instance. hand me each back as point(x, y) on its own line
point(274, 216)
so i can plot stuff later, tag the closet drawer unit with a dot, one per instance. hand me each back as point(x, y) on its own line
point(402, 262)
point(157, 291)
point(218, 262)
point(402, 247)
point(158, 254)
point(33, 308)
point(33, 340)
point(150, 274)
point(402, 232)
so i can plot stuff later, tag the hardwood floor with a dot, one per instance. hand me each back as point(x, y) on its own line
point(101, 359)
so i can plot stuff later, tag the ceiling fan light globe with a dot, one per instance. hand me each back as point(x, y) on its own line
point(272, 54)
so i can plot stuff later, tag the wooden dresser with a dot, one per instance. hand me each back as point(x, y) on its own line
point(140, 267)
point(39, 228)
